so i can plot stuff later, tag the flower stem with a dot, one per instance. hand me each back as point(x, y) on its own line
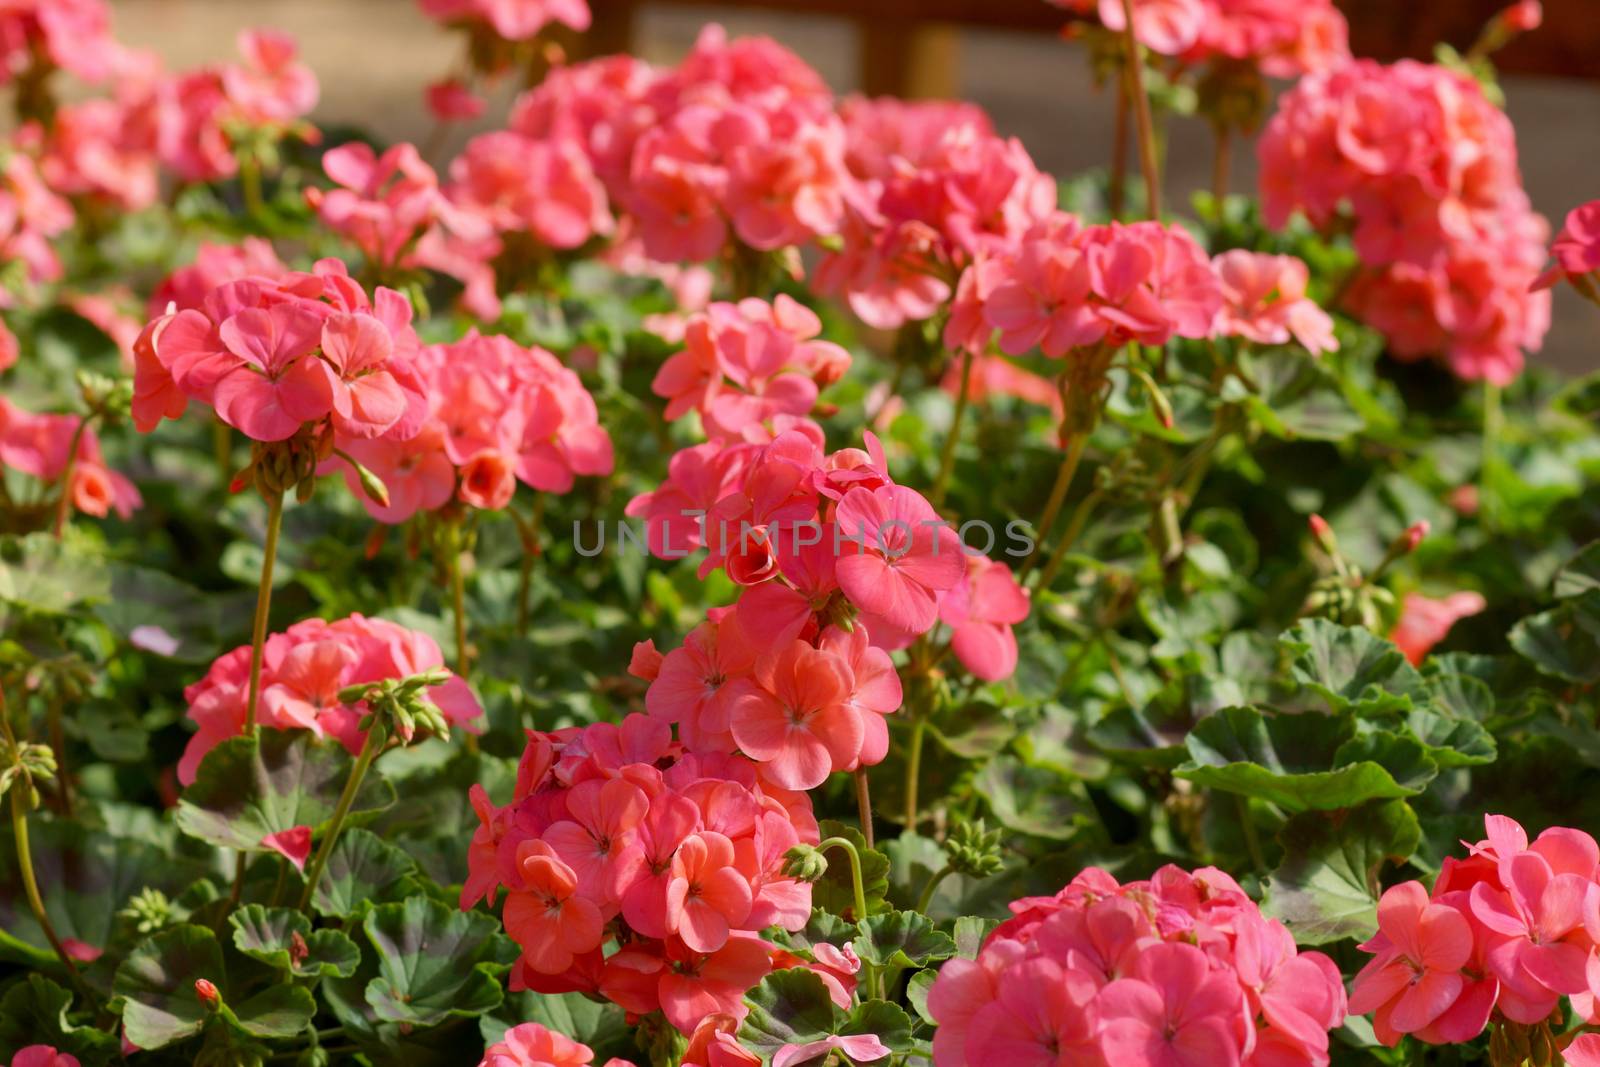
point(30, 883)
point(458, 598)
point(919, 730)
point(864, 805)
point(933, 883)
point(1493, 423)
point(1252, 840)
point(258, 631)
point(1134, 72)
point(947, 461)
point(64, 501)
point(376, 736)
point(1080, 516)
point(250, 186)
point(1117, 195)
point(1058, 496)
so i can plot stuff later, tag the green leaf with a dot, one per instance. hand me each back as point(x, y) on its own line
point(1563, 642)
point(1326, 889)
point(1303, 762)
point(140, 597)
point(970, 933)
point(434, 961)
point(917, 994)
point(84, 877)
point(1033, 800)
point(50, 577)
point(835, 891)
point(268, 935)
point(889, 1022)
point(902, 939)
point(277, 1011)
point(37, 1011)
point(1299, 398)
point(592, 1022)
point(1351, 668)
point(363, 869)
point(1451, 741)
point(1581, 574)
point(155, 985)
point(250, 787)
point(789, 1007)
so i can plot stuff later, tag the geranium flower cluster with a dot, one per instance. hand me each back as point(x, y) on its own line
point(40, 446)
point(1510, 929)
point(1577, 252)
point(190, 124)
point(1426, 168)
point(74, 35)
point(31, 217)
point(497, 414)
point(514, 20)
point(738, 142)
point(1180, 969)
point(934, 189)
point(745, 364)
point(303, 670)
point(271, 356)
point(1284, 38)
point(640, 872)
point(1070, 287)
point(533, 1045)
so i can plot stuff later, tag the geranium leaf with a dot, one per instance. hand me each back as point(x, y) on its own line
point(37, 1011)
point(363, 869)
point(269, 935)
point(1303, 762)
point(155, 985)
point(1033, 800)
point(888, 1022)
point(902, 939)
point(1326, 889)
point(1581, 574)
point(434, 962)
point(835, 890)
point(277, 1011)
point(51, 577)
point(1565, 641)
point(789, 1007)
point(1352, 668)
point(250, 787)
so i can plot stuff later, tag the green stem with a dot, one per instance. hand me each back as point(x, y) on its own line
point(250, 186)
point(1252, 840)
point(947, 461)
point(1058, 496)
point(919, 728)
point(1119, 154)
point(864, 805)
point(258, 630)
point(369, 751)
point(30, 884)
point(64, 501)
point(1493, 424)
point(1075, 525)
point(458, 597)
point(933, 883)
point(855, 871)
point(1134, 57)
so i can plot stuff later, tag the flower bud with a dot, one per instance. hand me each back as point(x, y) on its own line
point(1524, 16)
point(207, 992)
point(1414, 535)
point(805, 863)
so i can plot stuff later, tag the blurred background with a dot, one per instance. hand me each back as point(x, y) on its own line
point(373, 58)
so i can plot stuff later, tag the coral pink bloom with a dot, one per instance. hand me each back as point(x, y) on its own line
point(981, 612)
point(531, 1045)
point(1541, 914)
point(693, 687)
point(857, 1048)
point(306, 683)
point(905, 555)
point(1583, 1052)
point(962, 988)
point(270, 86)
point(670, 820)
point(599, 841)
point(700, 984)
point(547, 917)
point(1577, 246)
point(1425, 621)
point(876, 692)
point(1416, 975)
point(1174, 1012)
point(218, 714)
point(278, 388)
point(798, 721)
point(706, 895)
point(43, 1056)
point(1300, 995)
point(416, 473)
point(1038, 1018)
point(1169, 27)
point(713, 1045)
point(293, 844)
point(1040, 300)
point(1264, 300)
point(515, 20)
point(488, 480)
point(773, 614)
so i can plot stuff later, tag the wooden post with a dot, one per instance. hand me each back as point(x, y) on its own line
point(612, 30)
point(910, 59)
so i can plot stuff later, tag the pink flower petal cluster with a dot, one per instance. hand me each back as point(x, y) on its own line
point(31, 216)
point(386, 204)
point(101, 148)
point(272, 355)
point(497, 414)
point(640, 872)
point(1180, 970)
point(302, 671)
point(1264, 300)
point(1425, 167)
point(1285, 38)
point(514, 20)
point(745, 363)
point(43, 1056)
point(1069, 287)
point(74, 35)
point(532, 1045)
point(1577, 251)
point(935, 188)
point(215, 264)
point(1510, 929)
point(39, 445)
point(1425, 621)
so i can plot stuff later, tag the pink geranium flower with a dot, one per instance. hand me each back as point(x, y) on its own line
point(981, 612)
point(859, 1048)
point(1425, 621)
point(43, 1056)
point(548, 917)
point(904, 555)
point(706, 894)
point(795, 717)
point(1416, 975)
point(599, 841)
point(1173, 1012)
point(532, 1045)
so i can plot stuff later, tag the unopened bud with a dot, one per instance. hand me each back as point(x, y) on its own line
point(805, 863)
point(1414, 535)
point(207, 992)
point(1323, 533)
point(1524, 16)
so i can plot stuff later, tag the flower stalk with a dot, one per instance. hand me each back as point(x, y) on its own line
point(1134, 73)
point(258, 630)
point(377, 734)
